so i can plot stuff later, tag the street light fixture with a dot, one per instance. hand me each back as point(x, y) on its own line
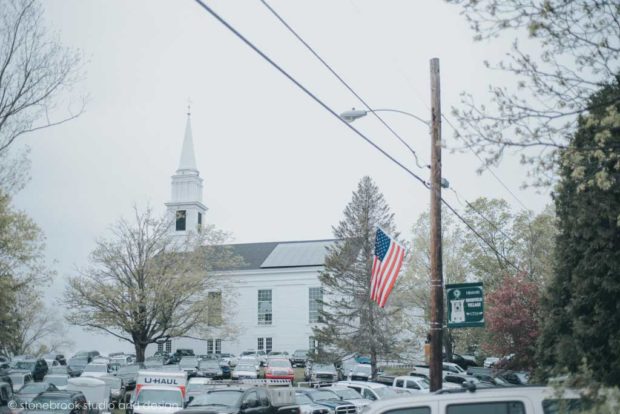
point(354, 114)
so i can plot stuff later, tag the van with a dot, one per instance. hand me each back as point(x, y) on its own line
point(505, 400)
point(177, 379)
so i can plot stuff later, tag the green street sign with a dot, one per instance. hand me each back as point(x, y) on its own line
point(465, 305)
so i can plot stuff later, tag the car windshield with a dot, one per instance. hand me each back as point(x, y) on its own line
point(248, 353)
point(228, 398)
point(209, 363)
point(27, 365)
point(245, 368)
point(300, 353)
point(189, 362)
point(279, 363)
point(385, 392)
point(58, 381)
point(168, 398)
point(365, 369)
point(348, 393)
point(423, 383)
point(323, 367)
point(96, 368)
point(322, 395)
point(78, 362)
point(303, 399)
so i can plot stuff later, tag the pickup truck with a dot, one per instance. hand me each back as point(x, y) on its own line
point(413, 384)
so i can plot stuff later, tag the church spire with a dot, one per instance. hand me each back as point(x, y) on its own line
point(188, 159)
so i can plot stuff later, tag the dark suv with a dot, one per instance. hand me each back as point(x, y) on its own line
point(299, 358)
point(70, 402)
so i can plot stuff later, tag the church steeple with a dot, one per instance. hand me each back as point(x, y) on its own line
point(188, 159)
point(185, 207)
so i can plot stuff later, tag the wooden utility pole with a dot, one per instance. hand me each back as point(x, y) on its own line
point(435, 215)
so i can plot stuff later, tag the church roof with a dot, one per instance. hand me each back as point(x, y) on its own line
point(188, 159)
point(289, 254)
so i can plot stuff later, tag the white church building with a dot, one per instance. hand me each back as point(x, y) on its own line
point(275, 289)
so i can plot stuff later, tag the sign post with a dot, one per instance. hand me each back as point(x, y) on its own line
point(465, 305)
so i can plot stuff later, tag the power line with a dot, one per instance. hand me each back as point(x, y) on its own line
point(290, 29)
point(359, 133)
point(486, 167)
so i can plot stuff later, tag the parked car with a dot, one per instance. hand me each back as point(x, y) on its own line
point(77, 364)
point(95, 370)
point(416, 384)
point(197, 386)
point(279, 369)
point(19, 379)
point(209, 368)
point(277, 354)
point(316, 372)
point(328, 399)
point(224, 400)
point(299, 358)
point(69, 402)
point(461, 361)
point(522, 400)
point(189, 364)
point(158, 399)
point(28, 392)
point(116, 388)
point(259, 355)
point(352, 396)
point(307, 406)
point(250, 360)
point(59, 380)
point(6, 396)
point(244, 370)
point(229, 358)
point(370, 390)
point(128, 375)
point(37, 367)
point(89, 355)
point(358, 372)
point(59, 369)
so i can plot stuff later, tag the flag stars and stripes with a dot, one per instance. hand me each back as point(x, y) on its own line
point(386, 265)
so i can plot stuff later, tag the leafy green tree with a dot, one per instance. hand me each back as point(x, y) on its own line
point(582, 323)
point(562, 53)
point(145, 284)
point(351, 321)
point(22, 268)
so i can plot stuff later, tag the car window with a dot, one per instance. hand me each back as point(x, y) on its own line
point(500, 407)
point(564, 406)
point(399, 383)
point(412, 385)
point(410, 410)
point(366, 393)
point(251, 400)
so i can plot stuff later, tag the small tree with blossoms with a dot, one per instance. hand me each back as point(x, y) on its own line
point(513, 318)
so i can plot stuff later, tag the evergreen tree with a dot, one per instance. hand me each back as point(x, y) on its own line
point(582, 325)
point(351, 321)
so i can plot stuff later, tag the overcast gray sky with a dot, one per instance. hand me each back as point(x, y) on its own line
point(276, 165)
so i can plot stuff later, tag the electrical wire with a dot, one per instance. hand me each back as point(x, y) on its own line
point(368, 107)
point(359, 133)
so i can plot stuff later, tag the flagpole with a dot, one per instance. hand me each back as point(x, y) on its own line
point(436, 363)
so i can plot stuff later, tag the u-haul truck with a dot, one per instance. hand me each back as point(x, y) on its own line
point(159, 392)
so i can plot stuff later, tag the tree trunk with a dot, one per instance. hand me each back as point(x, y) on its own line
point(140, 351)
point(449, 344)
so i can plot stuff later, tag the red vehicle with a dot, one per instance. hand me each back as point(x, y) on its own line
point(279, 369)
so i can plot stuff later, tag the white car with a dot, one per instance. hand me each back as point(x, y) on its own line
point(349, 394)
point(522, 400)
point(415, 385)
point(249, 360)
point(95, 370)
point(490, 362)
point(244, 370)
point(369, 390)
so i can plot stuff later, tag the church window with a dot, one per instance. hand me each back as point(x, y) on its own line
point(264, 307)
point(199, 221)
point(214, 308)
point(315, 303)
point(181, 217)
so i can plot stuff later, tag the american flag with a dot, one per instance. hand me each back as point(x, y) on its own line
point(386, 264)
